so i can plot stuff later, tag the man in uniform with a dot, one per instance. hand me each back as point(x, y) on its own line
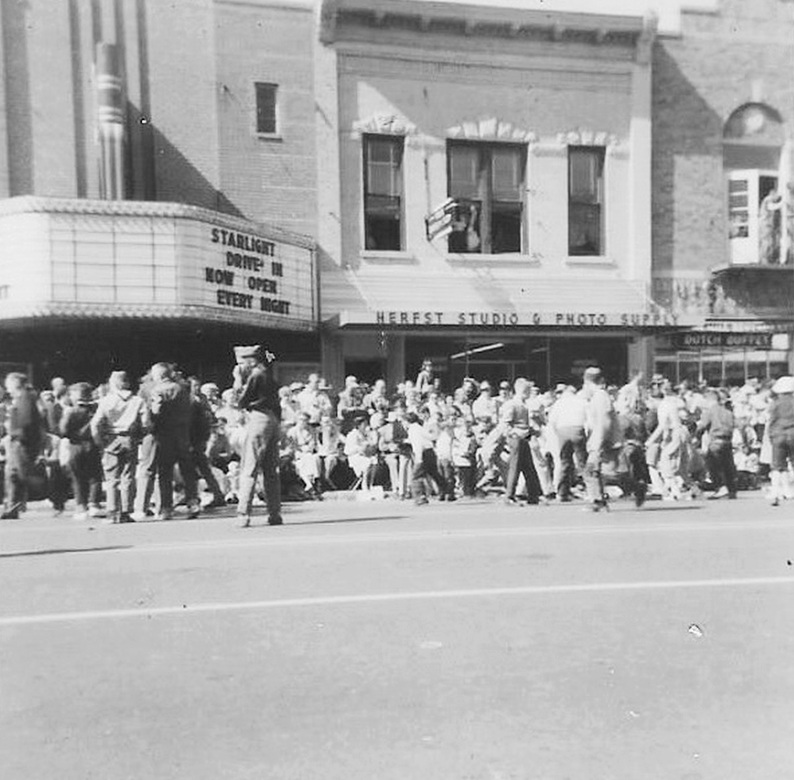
point(515, 420)
point(600, 432)
point(257, 396)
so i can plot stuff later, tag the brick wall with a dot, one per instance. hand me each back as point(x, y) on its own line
point(268, 179)
point(189, 70)
point(742, 53)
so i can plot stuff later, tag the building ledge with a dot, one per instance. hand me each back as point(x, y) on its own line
point(755, 268)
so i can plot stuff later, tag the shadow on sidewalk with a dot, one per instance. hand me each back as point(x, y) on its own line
point(62, 551)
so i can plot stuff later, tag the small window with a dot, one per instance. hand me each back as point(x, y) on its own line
point(486, 182)
point(383, 187)
point(266, 95)
point(585, 200)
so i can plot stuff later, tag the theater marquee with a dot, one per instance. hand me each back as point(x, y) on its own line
point(116, 259)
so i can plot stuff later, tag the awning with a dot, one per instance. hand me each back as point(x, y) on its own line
point(397, 298)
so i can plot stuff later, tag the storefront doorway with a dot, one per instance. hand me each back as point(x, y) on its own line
point(496, 357)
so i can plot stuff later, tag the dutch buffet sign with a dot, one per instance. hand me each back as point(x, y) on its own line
point(515, 319)
point(710, 339)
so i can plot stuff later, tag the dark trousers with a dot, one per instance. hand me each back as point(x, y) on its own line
point(86, 468)
point(573, 458)
point(260, 453)
point(447, 471)
point(175, 452)
point(719, 460)
point(520, 462)
point(57, 485)
point(17, 468)
point(424, 467)
point(204, 470)
point(466, 475)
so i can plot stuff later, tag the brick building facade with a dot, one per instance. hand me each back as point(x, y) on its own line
point(494, 191)
point(723, 131)
point(214, 111)
point(502, 189)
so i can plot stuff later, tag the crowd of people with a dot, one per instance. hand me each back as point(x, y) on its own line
point(128, 453)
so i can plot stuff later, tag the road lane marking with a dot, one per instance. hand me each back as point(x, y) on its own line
point(372, 598)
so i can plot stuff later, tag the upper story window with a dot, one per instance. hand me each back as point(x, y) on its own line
point(486, 181)
point(753, 138)
point(266, 108)
point(585, 200)
point(383, 192)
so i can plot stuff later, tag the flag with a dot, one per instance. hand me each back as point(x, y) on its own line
point(438, 223)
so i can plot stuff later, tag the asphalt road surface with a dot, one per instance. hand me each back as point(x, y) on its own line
point(382, 641)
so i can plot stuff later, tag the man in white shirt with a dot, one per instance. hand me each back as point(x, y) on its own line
point(567, 420)
point(425, 461)
point(484, 406)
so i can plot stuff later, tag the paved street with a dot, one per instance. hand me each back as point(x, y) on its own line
point(379, 640)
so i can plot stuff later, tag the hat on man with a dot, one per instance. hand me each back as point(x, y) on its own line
point(504, 385)
point(485, 385)
point(253, 351)
point(296, 386)
point(783, 385)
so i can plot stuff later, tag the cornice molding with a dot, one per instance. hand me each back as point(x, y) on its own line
point(491, 129)
point(383, 124)
point(585, 137)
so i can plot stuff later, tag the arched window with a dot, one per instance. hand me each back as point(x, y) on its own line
point(753, 139)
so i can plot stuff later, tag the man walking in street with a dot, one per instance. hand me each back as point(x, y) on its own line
point(202, 423)
point(514, 418)
point(718, 423)
point(600, 429)
point(257, 396)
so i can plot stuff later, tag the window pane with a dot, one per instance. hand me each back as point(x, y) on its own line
point(506, 173)
point(583, 183)
point(383, 231)
point(506, 228)
point(266, 108)
point(381, 150)
point(382, 158)
point(584, 229)
point(464, 166)
point(380, 180)
point(585, 173)
point(383, 193)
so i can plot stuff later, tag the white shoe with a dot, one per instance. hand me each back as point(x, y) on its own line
point(721, 493)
